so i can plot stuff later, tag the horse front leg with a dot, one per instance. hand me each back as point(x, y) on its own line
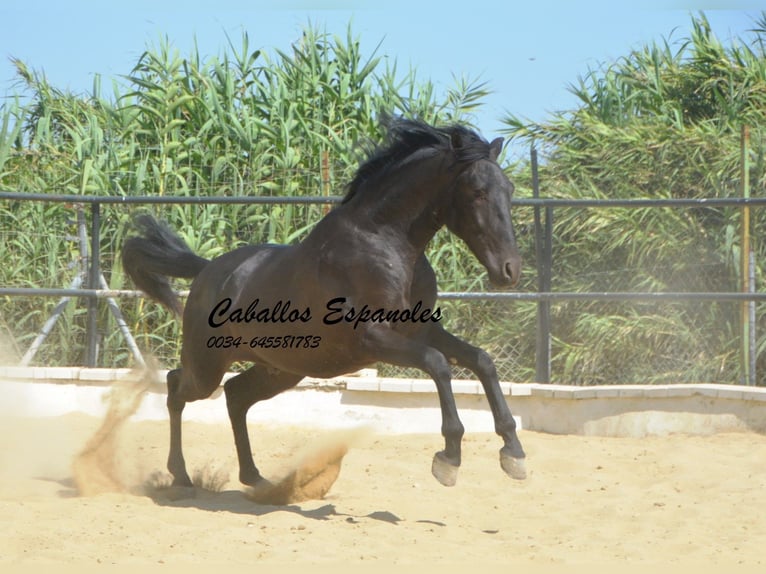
point(512, 456)
point(391, 347)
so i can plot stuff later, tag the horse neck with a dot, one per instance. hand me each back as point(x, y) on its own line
point(410, 201)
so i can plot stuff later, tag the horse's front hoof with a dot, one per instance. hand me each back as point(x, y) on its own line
point(252, 478)
point(514, 467)
point(444, 471)
point(182, 480)
point(260, 490)
point(258, 482)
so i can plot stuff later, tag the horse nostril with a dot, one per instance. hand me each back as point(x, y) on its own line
point(509, 271)
point(512, 273)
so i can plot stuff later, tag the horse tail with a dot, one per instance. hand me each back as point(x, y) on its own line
point(156, 254)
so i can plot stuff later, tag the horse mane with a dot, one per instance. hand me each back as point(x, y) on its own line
point(404, 137)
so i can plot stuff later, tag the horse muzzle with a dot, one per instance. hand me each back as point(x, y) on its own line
point(506, 275)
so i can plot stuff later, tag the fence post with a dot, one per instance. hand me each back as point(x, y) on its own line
point(325, 175)
point(543, 256)
point(94, 275)
point(746, 263)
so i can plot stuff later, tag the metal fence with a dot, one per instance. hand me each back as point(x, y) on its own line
point(92, 285)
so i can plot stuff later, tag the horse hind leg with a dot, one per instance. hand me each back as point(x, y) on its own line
point(176, 404)
point(181, 389)
point(258, 383)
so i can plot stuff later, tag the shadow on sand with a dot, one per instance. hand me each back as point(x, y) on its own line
point(236, 502)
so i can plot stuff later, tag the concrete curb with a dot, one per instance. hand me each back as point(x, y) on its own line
point(367, 380)
point(409, 405)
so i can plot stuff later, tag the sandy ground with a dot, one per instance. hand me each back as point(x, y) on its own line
point(677, 499)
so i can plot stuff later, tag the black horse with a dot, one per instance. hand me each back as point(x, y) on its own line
point(358, 290)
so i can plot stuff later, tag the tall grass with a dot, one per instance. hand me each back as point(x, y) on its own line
point(662, 122)
point(244, 122)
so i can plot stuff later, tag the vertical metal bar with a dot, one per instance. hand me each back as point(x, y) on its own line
point(548, 253)
point(545, 323)
point(542, 255)
point(325, 174)
point(91, 358)
point(539, 240)
point(745, 255)
point(751, 317)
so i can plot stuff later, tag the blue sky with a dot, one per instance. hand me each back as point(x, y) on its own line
point(527, 52)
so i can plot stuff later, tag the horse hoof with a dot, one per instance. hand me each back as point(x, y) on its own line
point(514, 467)
point(259, 484)
point(444, 472)
point(250, 479)
point(182, 481)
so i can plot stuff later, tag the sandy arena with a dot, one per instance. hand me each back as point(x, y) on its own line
point(677, 499)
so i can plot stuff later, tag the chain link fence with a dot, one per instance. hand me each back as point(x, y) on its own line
point(44, 244)
point(48, 248)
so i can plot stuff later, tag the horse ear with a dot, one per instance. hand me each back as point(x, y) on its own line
point(495, 148)
point(456, 140)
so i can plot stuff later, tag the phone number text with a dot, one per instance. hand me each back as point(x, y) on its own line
point(278, 342)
